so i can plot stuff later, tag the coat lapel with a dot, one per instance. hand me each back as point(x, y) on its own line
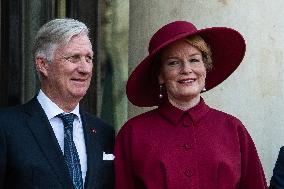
point(93, 152)
point(45, 137)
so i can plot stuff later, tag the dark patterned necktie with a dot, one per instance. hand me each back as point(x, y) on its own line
point(70, 152)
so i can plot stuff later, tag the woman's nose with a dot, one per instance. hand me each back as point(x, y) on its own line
point(186, 67)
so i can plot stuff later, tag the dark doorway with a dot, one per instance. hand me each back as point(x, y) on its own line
point(19, 22)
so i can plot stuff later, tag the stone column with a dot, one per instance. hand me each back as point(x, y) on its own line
point(254, 93)
point(114, 61)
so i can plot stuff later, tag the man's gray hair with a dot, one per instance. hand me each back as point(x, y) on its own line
point(56, 32)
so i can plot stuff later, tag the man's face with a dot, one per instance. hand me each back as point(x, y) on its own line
point(68, 76)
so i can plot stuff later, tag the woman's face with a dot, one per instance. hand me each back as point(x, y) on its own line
point(182, 72)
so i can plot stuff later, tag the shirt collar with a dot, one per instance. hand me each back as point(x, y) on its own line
point(174, 114)
point(50, 108)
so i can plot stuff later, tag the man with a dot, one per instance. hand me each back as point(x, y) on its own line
point(49, 142)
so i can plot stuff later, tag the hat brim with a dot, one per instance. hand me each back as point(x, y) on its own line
point(228, 49)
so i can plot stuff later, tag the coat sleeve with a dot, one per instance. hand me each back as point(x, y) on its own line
point(252, 175)
point(124, 176)
point(277, 179)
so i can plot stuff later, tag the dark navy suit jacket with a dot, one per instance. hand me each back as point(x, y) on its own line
point(277, 180)
point(30, 156)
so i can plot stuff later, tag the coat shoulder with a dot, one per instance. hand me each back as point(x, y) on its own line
point(93, 118)
point(11, 115)
point(230, 119)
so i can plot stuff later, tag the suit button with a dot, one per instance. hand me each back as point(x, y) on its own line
point(187, 146)
point(188, 173)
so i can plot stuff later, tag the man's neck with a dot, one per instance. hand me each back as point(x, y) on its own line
point(67, 104)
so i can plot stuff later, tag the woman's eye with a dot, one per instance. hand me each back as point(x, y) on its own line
point(194, 60)
point(173, 63)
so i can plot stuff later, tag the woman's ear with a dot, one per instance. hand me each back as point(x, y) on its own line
point(42, 66)
point(160, 79)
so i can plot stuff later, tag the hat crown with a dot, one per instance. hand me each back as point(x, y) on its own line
point(168, 32)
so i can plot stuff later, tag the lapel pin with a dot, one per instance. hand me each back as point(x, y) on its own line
point(94, 131)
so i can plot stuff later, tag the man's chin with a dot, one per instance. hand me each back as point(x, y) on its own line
point(79, 94)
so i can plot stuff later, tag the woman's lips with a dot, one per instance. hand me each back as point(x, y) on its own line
point(182, 81)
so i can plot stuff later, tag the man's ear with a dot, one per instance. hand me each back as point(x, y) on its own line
point(42, 66)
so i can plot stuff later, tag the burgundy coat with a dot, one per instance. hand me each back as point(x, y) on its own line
point(201, 148)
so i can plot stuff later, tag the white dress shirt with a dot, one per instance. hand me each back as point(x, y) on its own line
point(52, 110)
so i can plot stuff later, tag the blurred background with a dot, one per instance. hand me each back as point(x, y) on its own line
point(108, 23)
point(120, 32)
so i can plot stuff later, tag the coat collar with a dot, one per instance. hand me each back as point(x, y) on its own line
point(45, 137)
point(175, 115)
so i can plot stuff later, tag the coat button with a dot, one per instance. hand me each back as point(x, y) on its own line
point(188, 173)
point(186, 123)
point(187, 146)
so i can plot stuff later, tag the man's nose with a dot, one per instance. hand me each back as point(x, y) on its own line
point(85, 67)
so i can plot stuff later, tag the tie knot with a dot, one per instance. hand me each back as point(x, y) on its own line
point(67, 120)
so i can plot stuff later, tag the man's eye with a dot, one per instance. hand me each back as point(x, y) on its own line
point(89, 59)
point(75, 58)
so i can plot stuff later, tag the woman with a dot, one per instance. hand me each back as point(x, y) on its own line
point(185, 144)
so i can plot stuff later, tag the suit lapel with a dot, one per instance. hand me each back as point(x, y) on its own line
point(45, 137)
point(93, 152)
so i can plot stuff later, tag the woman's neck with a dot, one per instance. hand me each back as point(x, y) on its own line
point(185, 105)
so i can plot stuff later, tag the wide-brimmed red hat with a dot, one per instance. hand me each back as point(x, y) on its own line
point(227, 46)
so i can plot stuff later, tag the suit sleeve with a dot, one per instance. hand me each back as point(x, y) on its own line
point(277, 179)
point(2, 157)
point(124, 177)
point(252, 172)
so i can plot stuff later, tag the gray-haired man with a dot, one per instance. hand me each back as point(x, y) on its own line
point(49, 142)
